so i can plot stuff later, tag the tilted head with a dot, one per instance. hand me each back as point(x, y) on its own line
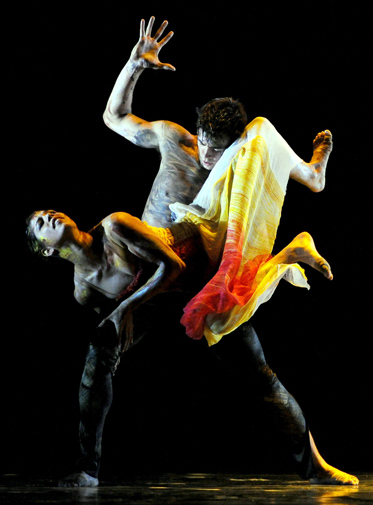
point(220, 122)
point(47, 231)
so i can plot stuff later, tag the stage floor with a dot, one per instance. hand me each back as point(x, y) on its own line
point(189, 489)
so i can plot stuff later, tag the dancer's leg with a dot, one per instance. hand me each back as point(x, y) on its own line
point(95, 398)
point(245, 354)
point(242, 351)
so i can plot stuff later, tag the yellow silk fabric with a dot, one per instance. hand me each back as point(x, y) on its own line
point(242, 224)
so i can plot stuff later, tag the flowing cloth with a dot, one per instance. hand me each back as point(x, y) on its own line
point(237, 213)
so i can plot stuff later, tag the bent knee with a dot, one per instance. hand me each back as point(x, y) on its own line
point(265, 379)
point(262, 121)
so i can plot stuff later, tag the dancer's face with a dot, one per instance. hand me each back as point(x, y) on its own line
point(210, 150)
point(51, 228)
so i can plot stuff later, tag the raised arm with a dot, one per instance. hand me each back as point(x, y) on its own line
point(129, 232)
point(118, 113)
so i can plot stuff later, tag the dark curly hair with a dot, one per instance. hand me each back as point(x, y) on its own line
point(222, 117)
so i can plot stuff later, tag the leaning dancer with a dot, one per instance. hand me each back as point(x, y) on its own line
point(122, 263)
point(118, 266)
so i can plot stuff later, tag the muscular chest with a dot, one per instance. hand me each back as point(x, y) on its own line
point(179, 179)
point(180, 176)
point(108, 281)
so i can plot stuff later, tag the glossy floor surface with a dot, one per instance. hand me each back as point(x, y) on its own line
point(190, 489)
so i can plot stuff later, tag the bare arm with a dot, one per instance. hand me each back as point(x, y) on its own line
point(118, 113)
point(129, 232)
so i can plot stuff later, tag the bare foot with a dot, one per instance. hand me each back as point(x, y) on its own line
point(302, 249)
point(331, 476)
point(327, 474)
point(312, 174)
point(322, 147)
point(79, 479)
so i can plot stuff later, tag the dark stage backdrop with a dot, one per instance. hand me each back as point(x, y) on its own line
point(304, 66)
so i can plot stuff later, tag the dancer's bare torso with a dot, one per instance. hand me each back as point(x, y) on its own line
point(180, 176)
point(101, 287)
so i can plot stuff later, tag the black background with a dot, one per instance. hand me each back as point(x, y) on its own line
point(306, 67)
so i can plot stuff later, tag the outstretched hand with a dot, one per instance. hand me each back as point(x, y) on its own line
point(147, 49)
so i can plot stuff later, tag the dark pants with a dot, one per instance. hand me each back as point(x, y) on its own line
point(241, 350)
point(95, 397)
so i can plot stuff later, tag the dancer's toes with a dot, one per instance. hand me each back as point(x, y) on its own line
point(327, 271)
point(323, 140)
